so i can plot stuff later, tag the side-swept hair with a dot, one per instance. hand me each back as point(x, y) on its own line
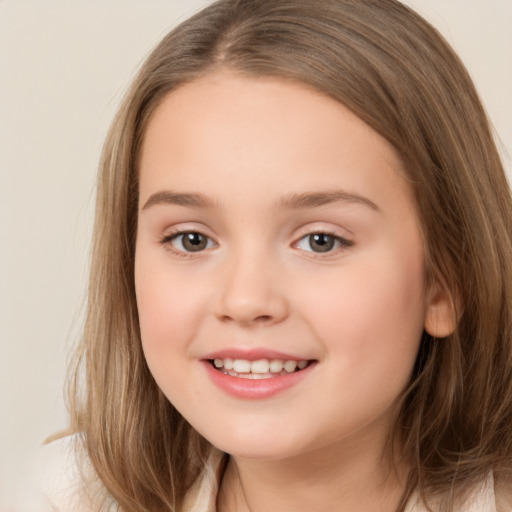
point(397, 74)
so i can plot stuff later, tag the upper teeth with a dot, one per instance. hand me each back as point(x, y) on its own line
point(260, 365)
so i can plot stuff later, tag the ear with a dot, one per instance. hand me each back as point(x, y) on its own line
point(440, 314)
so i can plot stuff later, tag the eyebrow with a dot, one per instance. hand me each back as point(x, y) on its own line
point(301, 201)
point(181, 199)
point(317, 199)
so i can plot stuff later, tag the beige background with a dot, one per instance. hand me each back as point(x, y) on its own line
point(63, 67)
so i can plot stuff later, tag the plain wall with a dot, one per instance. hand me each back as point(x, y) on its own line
point(63, 68)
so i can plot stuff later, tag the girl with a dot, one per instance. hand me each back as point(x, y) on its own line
point(300, 291)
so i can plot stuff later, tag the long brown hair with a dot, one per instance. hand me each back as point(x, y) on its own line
point(397, 74)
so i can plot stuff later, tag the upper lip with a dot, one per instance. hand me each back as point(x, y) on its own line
point(254, 354)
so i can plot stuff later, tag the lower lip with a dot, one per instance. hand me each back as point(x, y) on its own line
point(254, 389)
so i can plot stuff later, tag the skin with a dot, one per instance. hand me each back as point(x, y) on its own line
point(358, 310)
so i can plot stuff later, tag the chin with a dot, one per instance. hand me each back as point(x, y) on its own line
point(258, 443)
point(245, 451)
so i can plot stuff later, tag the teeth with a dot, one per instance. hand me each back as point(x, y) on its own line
point(276, 366)
point(260, 366)
point(290, 366)
point(241, 366)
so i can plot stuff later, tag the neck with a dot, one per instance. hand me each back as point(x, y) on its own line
point(324, 479)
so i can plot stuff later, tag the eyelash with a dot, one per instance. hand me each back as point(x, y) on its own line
point(342, 243)
point(167, 243)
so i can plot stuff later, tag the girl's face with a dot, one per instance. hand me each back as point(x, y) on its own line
point(276, 229)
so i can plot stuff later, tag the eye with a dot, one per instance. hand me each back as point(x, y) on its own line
point(322, 242)
point(189, 241)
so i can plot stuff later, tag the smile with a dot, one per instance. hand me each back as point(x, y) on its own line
point(254, 376)
point(258, 369)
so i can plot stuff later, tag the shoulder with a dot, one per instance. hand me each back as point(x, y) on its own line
point(202, 496)
point(503, 496)
point(66, 477)
point(484, 496)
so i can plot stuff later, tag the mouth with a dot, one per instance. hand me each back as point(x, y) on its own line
point(259, 369)
point(257, 373)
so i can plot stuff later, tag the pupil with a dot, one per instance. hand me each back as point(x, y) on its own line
point(321, 242)
point(194, 241)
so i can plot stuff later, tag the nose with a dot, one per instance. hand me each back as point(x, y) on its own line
point(251, 293)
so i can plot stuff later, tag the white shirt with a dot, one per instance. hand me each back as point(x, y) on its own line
point(62, 481)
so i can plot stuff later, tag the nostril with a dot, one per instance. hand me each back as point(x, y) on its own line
point(250, 309)
point(263, 318)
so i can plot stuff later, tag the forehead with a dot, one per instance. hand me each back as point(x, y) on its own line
point(223, 129)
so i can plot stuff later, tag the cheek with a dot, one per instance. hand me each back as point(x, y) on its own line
point(371, 318)
point(168, 307)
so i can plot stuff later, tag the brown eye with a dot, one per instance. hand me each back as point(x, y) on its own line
point(191, 241)
point(321, 242)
